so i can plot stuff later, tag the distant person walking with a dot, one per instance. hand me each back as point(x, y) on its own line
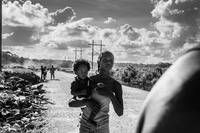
point(52, 72)
point(42, 72)
point(45, 73)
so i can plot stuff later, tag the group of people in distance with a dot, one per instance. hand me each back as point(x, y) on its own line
point(44, 71)
point(172, 106)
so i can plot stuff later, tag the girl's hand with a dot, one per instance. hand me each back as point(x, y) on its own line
point(101, 85)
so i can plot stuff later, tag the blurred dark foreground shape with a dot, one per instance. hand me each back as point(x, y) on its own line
point(173, 105)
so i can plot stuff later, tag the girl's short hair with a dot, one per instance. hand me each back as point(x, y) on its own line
point(101, 56)
point(79, 62)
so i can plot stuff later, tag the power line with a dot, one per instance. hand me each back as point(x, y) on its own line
point(95, 43)
point(1, 38)
point(75, 53)
point(81, 51)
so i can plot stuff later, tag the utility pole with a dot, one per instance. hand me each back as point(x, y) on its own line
point(101, 45)
point(95, 44)
point(75, 53)
point(81, 51)
point(1, 39)
point(92, 51)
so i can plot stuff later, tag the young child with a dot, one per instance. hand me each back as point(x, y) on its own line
point(82, 87)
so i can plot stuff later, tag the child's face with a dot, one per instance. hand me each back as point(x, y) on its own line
point(82, 71)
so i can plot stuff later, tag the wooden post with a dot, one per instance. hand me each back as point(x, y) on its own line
point(80, 53)
point(101, 46)
point(96, 44)
point(92, 52)
point(81, 50)
point(1, 40)
point(75, 53)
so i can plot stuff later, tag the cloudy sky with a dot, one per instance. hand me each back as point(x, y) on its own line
point(140, 31)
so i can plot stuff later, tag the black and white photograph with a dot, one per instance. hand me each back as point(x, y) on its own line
point(100, 66)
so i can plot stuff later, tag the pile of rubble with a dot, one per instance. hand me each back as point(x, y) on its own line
point(21, 104)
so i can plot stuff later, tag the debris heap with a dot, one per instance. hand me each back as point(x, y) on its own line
point(21, 103)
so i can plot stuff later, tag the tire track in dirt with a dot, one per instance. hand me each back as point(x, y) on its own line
point(60, 118)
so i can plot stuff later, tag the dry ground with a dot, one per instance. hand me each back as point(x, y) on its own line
point(60, 118)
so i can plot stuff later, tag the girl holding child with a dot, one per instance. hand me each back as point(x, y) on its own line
point(107, 91)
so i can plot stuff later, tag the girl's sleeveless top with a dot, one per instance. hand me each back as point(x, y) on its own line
point(102, 118)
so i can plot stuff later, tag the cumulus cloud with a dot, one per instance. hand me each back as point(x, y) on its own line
point(52, 45)
point(25, 20)
point(70, 33)
point(178, 20)
point(129, 31)
point(4, 36)
point(27, 14)
point(132, 38)
point(178, 24)
point(82, 21)
point(63, 15)
point(59, 30)
point(109, 20)
point(31, 24)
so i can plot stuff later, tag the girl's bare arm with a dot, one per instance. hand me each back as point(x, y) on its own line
point(117, 99)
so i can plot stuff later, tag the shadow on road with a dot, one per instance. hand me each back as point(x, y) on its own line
point(56, 79)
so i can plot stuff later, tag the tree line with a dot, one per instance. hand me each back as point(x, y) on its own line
point(142, 76)
point(8, 59)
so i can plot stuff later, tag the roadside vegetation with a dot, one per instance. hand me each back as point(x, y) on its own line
point(142, 76)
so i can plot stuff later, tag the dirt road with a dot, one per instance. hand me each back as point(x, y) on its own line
point(60, 118)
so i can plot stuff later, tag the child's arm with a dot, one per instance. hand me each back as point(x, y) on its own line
point(82, 103)
point(75, 91)
point(76, 103)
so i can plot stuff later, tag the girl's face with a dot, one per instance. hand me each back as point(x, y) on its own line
point(82, 71)
point(107, 62)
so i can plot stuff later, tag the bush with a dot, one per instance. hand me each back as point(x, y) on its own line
point(139, 75)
